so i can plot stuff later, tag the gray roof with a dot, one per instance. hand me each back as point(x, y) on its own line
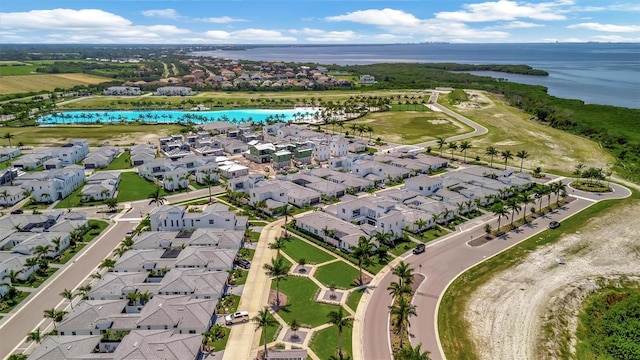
point(67, 347)
point(158, 344)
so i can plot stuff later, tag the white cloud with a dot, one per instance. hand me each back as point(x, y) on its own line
point(506, 10)
point(521, 25)
point(220, 20)
point(249, 36)
point(85, 25)
point(615, 38)
point(162, 13)
point(384, 17)
point(606, 27)
point(322, 36)
point(62, 19)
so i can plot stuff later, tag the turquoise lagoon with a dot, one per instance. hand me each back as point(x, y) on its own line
point(177, 116)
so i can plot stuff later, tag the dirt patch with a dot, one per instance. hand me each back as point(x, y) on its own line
point(509, 315)
point(272, 300)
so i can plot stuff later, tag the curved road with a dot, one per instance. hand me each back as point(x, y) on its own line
point(443, 261)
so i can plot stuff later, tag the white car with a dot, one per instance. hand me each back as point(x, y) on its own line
point(237, 317)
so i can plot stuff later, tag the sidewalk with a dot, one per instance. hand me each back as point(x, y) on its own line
point(244, 338)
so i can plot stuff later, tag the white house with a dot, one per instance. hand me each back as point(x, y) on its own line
point(52, 185)
point(177, 217)
point(11, 195)
point(176, 179)
point(101, 185)
point(424, 185)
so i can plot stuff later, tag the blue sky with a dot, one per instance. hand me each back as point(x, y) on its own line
point(317, 21)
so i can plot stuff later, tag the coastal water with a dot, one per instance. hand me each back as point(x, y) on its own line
point(173, 116)
point(597, 73)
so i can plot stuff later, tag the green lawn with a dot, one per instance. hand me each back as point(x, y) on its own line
point(246, 254)
point(133, 187)
point(221, 343)
point(241, 277)
point(121, 162)
point(7, 306)
point(325, 343)
point(68, 254)
point(73, 200)
point(301, 294)
point(229, 305)
point(412, 127)
point(298, 249)
point(340, 273)
point(402, 247)
point(272, 332)
point(354, 299)
point(431, 234)
point(101, 225)
point(36, 281)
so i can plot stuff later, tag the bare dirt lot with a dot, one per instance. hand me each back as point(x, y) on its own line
point(515, 315)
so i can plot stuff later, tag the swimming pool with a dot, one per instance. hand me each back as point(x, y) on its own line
point(177, 116)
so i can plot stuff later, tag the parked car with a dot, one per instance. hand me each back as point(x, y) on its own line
point(419, 249)
point(237, 317)
point(245, 264)
point(16, 212)
point(554, 225)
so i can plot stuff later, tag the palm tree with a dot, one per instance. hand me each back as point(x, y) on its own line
point(295, 325)
point(491, 151)
point(156, 198)
point(286, 211)
point(525, 199)
point(400, 313)
point(277, 270)
point(557, 188)
point(500, 211)
point(441, 143)
point(515, 207)
point(506, 156)
point(133, 298)
point(397, 289)
point(107, 263)
point(36, 336)
point(453, 147)
point(420, 224)
point(522, 154)
point(8, 136)
point(68, 294)
point(464, 146)
point(338, 319)
point(362, 252)
point(42, 251)
point(209, 181)
point(54, 315)
point(84, 291)
point(404, 272)
point(278, 244)
point(413, 353)
point(264, 320)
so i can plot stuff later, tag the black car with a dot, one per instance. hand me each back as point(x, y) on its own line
point(245, 264)
point(419, 249)
point(16, 212)
point(554, 225)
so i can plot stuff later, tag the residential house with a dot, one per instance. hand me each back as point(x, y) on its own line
point(69, 347)
point(174, 91)
point(11, 195)
point(101, 157)
point(159, 344)
point(230, 170)
point(101, 185)
point(52, 185)
point(122, 91)
point(176, 179)
point(378, 212)
point(140, 154)
point(423, 184)
point(177, 217)
point(244, 183)
point(8, 153)
point(333, 231)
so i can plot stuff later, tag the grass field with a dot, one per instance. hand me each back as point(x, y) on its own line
point(301, 303)
point(94, 134)
point(26, 83)
point(511, 129)
point(412, 127)
point(298, 249)
point(16, 68)
point(133, 187)
point(339, 273)
point(325, 343)
point(123, 161)
point(452, 326)
point(354, 299)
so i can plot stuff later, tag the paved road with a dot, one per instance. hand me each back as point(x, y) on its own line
point(15, 326)
point(433, 104)
point(443, 261)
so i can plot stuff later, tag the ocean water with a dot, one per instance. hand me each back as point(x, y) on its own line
point(174, 116)
point(596, 73)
